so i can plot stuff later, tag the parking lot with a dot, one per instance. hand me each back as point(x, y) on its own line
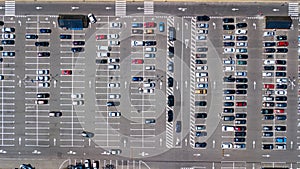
point(122, 81)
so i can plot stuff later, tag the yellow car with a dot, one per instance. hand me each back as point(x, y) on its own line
point(149, 31)
point(200, 91)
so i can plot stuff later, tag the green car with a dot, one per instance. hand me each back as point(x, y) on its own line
point(242, 62)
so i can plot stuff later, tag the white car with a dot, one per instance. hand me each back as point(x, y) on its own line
point(201, 67)
point(41, 102)
point(43, 78)
point(114, 60)
point(148, 90)
point(227, 128)
point(114, 42)
point(8, 36)
point(201, 37)
point(204, 79)
point(281, 80)
point(201, 74)
point(241, 73)
point(77, 96)
point(149, 67)
point(268, 98)
point(77, 102)
point(229, 50)
point(229, 68)
point(228, 37)
point(113, 36)
point(241, 31)
point(269, 62)
point(114, 96)
point(8, 30)
point(267, 74)
point(114, 114)
point(137, 43)
point(280, 92)
point(229, 98)
point(92, 18)
point(226, 145)
point(269, 33)
point(111, 85)
point(115, 25)
point(42, 72)
point(201, 31)
point(45, 84)
point(240, 44)
point(228, 62)
point(115, 151)
point(103, 54)
point(281, 146)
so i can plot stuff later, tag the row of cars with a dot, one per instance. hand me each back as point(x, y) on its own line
point(234, 113)
point(201, 81)
point(274, 91)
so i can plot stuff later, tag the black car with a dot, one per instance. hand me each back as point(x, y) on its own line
point(240, 115)
point(270, 56)
point(110, 103)
point(241, 56)
point(63, 36)
point(31, 36)
point(200, 115)
point(280, 74)
point(269, 44)
point(241, 38)
point(171, 100)
point(242, 134)
point(170, 82)
point(280, 62)
point(101, 61)
point(280, 117)
point(228, 20)
point(281, 98)
point(241, 91)
point(201, 61)
point(281, 105)
point(269, 67)
point(202, 145)
point(77, 49)
point(268, 134)
point(241, 86)
point(229, 79)
point(200, 103)
point(228, 110)
point(280, 128)
point(267, 128)
point(267, 111)
point(269, 117)
point(150, 43)
point(170, 115)
point(42, 95)
point(229, 91)
point(269, 50)
point(45, 30)
point(281, 86)
point(1, 23)
point(241, 80)
point(7, 42)
point(203, 18)
point(43, 54)
point(42, 44)
point(171, 51)
point(228, 27)
point(267, 146)
point(241, 25)
point(229, 43)
point(227, 104)
point(238, 139)
point(281, 37)
point(78, 43)
point(282, 50)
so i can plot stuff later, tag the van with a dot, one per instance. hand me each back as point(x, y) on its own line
point(178, 127)
point(172, 34)
point(106, 48)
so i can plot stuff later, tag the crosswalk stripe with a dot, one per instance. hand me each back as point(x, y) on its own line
point(293, 9)
point(10, 8)
point(148, 7)
point(120, 7)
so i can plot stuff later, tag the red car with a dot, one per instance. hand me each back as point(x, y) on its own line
point(281, 68)
point(270, 86)
point(279, 111)
point(66, 72)
point(137, 61)
point(100, 37)
point(241, 103)
point(240, 128)
point(149, 24)
point(282, 43)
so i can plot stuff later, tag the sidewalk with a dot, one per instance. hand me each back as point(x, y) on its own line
point(206, 1)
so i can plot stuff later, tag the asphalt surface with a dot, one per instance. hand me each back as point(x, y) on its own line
point(38, 137)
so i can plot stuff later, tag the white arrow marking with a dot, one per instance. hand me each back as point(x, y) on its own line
point(197, 155)
point(254, 85)
point(254, 24)
point(160, 85)
point(124, 143)
point(54, 83)
point(253, 144)
point(20, 22)
point(20, 83)
point(139, 8)
point(160, 141)
point(253, 166)
point(292, 144)
point(90, 84)
point(214, 143)
point(177, 85)
point(214, 84)
point(234, 9)
point(125, 84)
point(266, 155)
point(185, 84)
point(89, 142)
point(54, 141)
point(20, 140)
point(226, 155)
point(186, 142)
point(178, 26)
point(214, 24)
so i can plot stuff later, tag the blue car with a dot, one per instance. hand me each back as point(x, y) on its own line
point(137, 79)
point(45, 30)
point(137, 25)
point(65, 36)
point(161, 27)
point(281, 139)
